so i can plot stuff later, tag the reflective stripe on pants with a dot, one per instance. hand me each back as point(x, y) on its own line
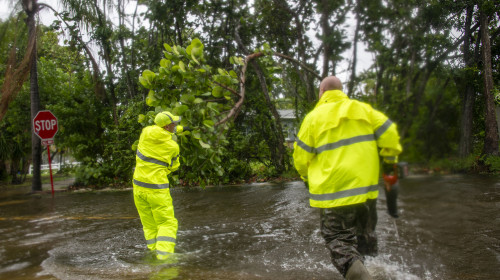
point(158, 220)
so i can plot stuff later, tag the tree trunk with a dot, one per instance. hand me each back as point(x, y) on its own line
point(15, 171)
point(352, 78)
point(308, 84)
point(410, 76)
point(417, 98)
point(3, 170)
point(465, 144)
point(327, 33)
point(30, 8)
point(124, 58)
point(277, 129)
point(491, 130)
point(106, 51)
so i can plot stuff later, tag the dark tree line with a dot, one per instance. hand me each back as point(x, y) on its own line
point(435, 72)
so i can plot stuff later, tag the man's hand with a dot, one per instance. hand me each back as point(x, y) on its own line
point(388, 168)
point(180, 129)
point(390, 180)
point(387, 186)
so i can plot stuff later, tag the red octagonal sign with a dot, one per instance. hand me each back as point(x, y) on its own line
point(45, 125)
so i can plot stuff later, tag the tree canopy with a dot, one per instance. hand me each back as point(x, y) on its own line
point(105, 68)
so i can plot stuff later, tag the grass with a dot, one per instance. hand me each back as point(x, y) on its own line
point(5, 184)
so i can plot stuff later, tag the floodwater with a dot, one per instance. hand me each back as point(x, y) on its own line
point(449, 228)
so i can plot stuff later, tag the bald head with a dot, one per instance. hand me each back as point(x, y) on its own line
point(329, 83)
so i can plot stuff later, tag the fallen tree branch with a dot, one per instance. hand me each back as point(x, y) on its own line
point(228, 88)
point(233, 113)
point(299, 63)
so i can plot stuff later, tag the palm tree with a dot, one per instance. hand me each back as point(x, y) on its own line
point(16, 76)
point(31, 8)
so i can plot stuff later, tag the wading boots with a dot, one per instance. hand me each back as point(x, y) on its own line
point(357, 271)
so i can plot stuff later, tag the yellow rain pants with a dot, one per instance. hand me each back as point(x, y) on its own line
point(158, 221)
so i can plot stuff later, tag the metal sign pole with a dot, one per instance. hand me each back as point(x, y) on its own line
point(50, 169)
point(45, 126)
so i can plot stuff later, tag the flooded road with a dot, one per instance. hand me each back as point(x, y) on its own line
point(449, 228)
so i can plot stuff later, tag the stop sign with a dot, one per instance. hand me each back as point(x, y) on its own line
point(45, 125)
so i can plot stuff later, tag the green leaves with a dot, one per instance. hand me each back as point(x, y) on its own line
point(167, 47)
point(186, 86)
point(147, 79)
point(187, 98)
point(196, 134)
point(208, 123)
point(204, 145)
point(180, 110)
point(217, 92)
point(237, 60)
point(182, 68)
point(165, 63)
point(266, 49)
point(151, 99)
point(195, 50)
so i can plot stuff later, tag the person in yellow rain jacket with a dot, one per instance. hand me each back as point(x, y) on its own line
point(337, 155)
point(157, 156)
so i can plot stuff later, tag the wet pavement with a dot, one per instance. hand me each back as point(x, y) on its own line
point(449, 228)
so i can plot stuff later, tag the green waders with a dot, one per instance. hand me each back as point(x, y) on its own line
point(349, 232)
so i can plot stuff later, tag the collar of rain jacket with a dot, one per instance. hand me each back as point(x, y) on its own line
point(331, 96)
point(158, 134)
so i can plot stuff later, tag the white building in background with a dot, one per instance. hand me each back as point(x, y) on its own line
point(289, 124)
point(56, 166)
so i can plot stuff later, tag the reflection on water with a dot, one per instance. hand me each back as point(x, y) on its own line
point(448, 229)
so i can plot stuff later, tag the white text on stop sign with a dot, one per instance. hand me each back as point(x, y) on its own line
point(45, 125)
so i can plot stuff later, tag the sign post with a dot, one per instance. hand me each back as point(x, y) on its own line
point(45, 126)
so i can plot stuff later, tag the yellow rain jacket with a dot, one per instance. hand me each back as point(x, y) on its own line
point(157, 156)
point(337, 150)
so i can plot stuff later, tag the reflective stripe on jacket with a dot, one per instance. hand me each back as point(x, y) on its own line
point(337, 150)
point(157, 156)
